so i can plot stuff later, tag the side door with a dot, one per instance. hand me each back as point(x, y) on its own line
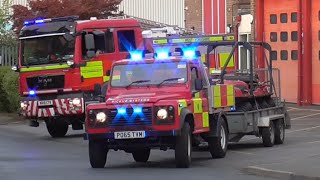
point(199, 101)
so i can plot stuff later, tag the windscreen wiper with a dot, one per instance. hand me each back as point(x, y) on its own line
point(166, 80)
point(137, 82)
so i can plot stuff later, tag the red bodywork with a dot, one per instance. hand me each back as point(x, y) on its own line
point(74, 82)
point(146, 96)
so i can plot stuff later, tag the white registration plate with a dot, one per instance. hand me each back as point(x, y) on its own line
point(129, 135)
point(45, 103)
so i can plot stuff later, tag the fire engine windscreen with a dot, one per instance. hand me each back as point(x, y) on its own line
point(157, 73)
point(47, 50)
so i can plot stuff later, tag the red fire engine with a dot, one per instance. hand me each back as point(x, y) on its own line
point(61, 60)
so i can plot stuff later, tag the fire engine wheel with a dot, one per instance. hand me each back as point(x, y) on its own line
point(279, 131)
point(268, 135)
point(218, 145)
point(57, 127)
point(183, 147)
point(97, 154)
point(141, 155)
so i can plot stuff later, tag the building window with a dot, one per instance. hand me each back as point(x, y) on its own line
point(274, 55)
point(294, 54)
point(273, 19)
point(294, 36)
point(284, 55)
point(294, 17)
point(283, 17)
point(273, 37)
point(284, 36)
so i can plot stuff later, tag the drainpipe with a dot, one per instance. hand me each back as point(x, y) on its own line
point(299, 96)
point(259, 32)
point(305, 53)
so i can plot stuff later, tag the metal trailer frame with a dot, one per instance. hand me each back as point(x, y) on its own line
point(240, 123)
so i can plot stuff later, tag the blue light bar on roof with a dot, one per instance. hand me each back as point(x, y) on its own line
point(37, 21)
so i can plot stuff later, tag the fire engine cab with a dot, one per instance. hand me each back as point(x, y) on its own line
point(61, 60)
point(162, 100)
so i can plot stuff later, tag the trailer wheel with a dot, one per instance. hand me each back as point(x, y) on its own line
point(57, 127)
point(279, 132)
point(268, 135)
point(97, 154)
point(141, 155)
point(218, 145)
point(183, 147)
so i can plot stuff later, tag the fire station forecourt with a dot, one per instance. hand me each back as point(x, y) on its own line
point(30, 154)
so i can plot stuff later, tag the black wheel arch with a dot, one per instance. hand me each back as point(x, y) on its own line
point(186, 115)
point(215, 125)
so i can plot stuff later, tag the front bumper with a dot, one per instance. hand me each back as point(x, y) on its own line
point(153, 139)
point(149, 134)
point(33, 109)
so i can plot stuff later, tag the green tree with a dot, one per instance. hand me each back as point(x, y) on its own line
point(7, 36)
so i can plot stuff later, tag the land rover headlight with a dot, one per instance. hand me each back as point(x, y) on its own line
point(101, 117)
point(162, 114)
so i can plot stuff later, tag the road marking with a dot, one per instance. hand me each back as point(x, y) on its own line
point(241, 152)
point(304, 129)
point(312, 142)
point(301, 117)
point(299, 109)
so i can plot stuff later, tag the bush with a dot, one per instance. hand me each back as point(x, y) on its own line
point(9, 90)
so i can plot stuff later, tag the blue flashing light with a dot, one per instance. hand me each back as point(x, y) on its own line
point(136, 55)
point(189, 53)
point(137, 110)
point(28, 22)
point(162, 55)
point(32, 92)
point(122, 110)
point(233, 109)
point(39, 21)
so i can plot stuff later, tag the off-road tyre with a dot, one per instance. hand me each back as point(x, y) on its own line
point(244, 107)
point(218, 146)
point(263, 104)
point(57, 127)
point(183, 147)
point(279, 130)
point(270, 102)
point(97, 153)
point(268, 135)
point(141, 155)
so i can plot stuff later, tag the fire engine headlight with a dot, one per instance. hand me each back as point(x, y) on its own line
point(76, 102)
point(23, 105)
point(101, 117)
point(162, 114)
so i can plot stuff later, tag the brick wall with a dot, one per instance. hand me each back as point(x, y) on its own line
point(193, 14)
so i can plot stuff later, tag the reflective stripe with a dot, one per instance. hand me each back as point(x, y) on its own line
point(205, 119)
point(160, 41)
point(230, 38)
point(197, 105)
point(223, 60)
point(106, 78)
point(203, 58)
point(223, 96)
point(182, 104)
point(92, 70)
point(43, 68)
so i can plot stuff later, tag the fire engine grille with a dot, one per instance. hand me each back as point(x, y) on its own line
point(130, 118)
point(45, 82)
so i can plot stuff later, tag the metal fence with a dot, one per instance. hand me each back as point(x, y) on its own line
point(8, 55)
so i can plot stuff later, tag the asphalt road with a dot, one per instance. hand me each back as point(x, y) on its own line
point(30, 153)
